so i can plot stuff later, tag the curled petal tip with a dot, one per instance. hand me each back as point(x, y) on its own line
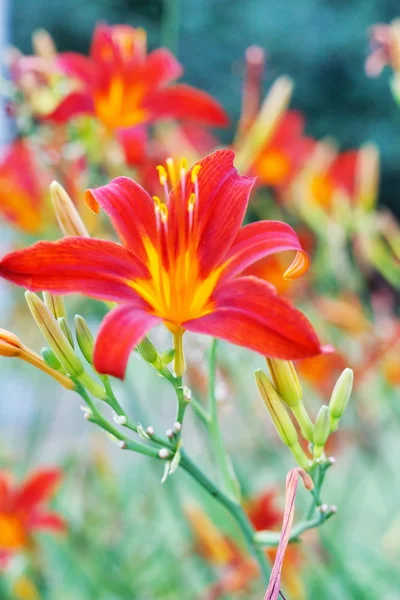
point(298, 267)
point(91, 202)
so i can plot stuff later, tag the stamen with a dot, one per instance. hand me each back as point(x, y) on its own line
point(183, 167)
point(195, 172)
point(163, 208)
point(162, 174)
point(171, 171)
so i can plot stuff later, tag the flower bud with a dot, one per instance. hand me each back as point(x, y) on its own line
point(54, 335)
point(285, 380)
point(321, 430)
point(340, 397)
point(149, 352)
point(10, 344)
point(12, 347)
point(50, 358)
point(283, 424)
point(68, 217)
point(280, 417)
point(63, 323)
point(84, 338)
point(55, 304)
point(168, 356)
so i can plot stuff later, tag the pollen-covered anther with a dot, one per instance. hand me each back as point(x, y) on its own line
point(162, 174)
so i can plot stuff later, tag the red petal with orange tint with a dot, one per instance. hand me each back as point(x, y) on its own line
point(77, 66)
point(186, 102)
point(38, 488)
point(96, 268)
point(130, 209)
point(249, 314)
point(122, 330)
point(161, 68)
point(257, 240)
point(5, 490)
point(47, 520)
point(76, 103)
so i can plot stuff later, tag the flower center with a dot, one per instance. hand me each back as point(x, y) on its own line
point(176, 290)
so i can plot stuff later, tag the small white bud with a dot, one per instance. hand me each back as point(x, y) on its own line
point(177, 427)
point(324, 508)
point(187, 394)
point(163, 453)
point(169, 433)
point(150, 430)
point(331, 460)
point(122, 445)
point(333, 509)
point(120, 419)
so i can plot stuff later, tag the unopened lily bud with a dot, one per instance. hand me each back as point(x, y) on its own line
point(321, 430)
point(168, 356)
point(63, 323)
point(10, 344)
point(43, 44)
point(84, 338)
point(55, 304)
point(285, 380)
point(68, 217)
point(149, 352)
point(280, 417)
point(50, 358)
point(12, 347)
point(54, 335)
point(340, 397)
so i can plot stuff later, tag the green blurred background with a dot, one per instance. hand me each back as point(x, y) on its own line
point(322, 44)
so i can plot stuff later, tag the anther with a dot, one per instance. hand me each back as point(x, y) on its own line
point(171, 171)
point(195, 172)
point(162, 174)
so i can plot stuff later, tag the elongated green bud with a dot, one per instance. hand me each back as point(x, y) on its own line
point(340, 397)
point(149, 352)
point(289, 389)
point(55, 304)
point(285, 380)
point(84, 338)
point(50, 358)
point(280, 417)
point(68, 217)
point(322, 429)
point(168, 356)
point(63, 323)
point(54, 335)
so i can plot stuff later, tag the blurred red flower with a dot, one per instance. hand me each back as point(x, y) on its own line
point(23, 511)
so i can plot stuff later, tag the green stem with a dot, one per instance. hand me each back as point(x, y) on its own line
point(234, 509)
point(100, 420)
point(224, 465)
point(170, 25)
point(270, 539)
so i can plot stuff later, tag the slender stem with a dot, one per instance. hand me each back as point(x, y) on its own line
point(224, 465)
point(200, 411)
point(235, 510)
point(170, 25)
point(270, 539)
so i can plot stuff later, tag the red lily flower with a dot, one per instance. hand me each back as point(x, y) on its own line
point(22, 512)
point(21, 197)
point(285, 153)
point(179, 264)
point(124, 86)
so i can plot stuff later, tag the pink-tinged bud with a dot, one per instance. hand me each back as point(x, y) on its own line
point(43, 44)
point(68, 217)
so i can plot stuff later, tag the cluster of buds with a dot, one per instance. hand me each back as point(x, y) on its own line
point(284, 393)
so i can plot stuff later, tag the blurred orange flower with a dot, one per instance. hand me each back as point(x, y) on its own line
point(124, 86)
point(22, 511)
point(21, 191)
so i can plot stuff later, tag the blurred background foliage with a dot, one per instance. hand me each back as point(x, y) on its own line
point(322, 44)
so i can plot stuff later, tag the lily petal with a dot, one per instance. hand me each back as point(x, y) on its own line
point(125, 327)
point(76, 103)
point(130, 209)
point(185, 102)
point(38, 488)
point(249, 314)
point(77, 66)
point(96, 268)
point(161, 68)
point(257, 240)
point(47, 520)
